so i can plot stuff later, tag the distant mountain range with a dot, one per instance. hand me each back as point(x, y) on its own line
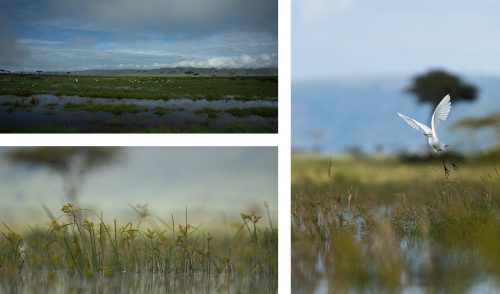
point(171, 71)
point(336, 115)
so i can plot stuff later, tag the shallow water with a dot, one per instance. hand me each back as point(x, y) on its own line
point(50, 112)
point(352, 261)
point(64, 282)
point(424, 271)
point(187, 104)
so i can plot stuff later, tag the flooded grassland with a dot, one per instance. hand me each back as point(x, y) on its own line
point(99, 104)
point(80, 252)
point(384, 225)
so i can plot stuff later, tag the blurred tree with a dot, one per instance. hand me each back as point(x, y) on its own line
point(432, 86)
point(473, 124)
point(71, 163)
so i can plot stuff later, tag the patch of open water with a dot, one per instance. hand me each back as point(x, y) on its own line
point(187, 104)
point(64, 282)
point(50, 111)
point(426, 266)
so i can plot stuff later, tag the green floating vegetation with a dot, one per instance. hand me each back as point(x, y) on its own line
point(258, 111)
point(112, 108)
point(159, 110)
point(81, 241)
point(22, 104)
point(210, 112)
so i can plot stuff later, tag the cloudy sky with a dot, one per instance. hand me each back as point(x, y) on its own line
point(353, 59)
point(113, 34)
point(207, 180)
point(332, 38)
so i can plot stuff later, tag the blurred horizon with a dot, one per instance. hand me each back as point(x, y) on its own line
point(342, 115)
point(353, 59)
point(215, 184)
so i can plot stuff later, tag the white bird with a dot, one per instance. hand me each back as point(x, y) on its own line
point(440, 114)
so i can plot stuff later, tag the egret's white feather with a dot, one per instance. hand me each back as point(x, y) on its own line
point(441, 112)
point(415, 124)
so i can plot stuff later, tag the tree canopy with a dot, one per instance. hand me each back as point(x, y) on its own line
point(432, 86)
point(71, 163)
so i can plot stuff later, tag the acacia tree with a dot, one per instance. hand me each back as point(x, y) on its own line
point(432, 86)
point(70, 163)
point(473, 124)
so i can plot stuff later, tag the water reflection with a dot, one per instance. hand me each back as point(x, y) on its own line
point(382, 261)
point(64, 282)
point(187, 104)
point(48, 111)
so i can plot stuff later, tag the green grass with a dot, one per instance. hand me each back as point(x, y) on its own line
point(112, 108)
point(258, 111)
point(23, 104)
point(212, 88)
point(81, 241)
point(368, 219)
point(117, 126)
point(159, 110)
point(210, 112)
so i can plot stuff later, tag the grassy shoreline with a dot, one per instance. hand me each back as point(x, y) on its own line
point(140, 87)
point(81, 241)
point(371, 222)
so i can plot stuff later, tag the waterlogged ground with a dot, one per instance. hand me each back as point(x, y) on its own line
point(49, 113)
point(380, 225)
point(50, 103)
point(64, 282)
point(79, 251)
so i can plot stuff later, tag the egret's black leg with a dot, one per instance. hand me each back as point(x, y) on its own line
point(446, 170)
point(455, 167)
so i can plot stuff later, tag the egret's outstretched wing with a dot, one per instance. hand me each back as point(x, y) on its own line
point(415, 124)
point(441, 112)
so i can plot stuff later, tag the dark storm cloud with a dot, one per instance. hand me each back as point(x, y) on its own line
point(171, 17)
point(12, 53)
point(45, 34)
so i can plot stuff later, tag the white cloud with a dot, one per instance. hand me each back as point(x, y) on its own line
point(242, 61)
point(29, 41)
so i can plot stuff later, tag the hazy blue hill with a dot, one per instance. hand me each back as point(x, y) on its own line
point(336, 114)
point(181, 71)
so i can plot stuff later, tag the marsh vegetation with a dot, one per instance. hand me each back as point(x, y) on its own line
point(63, 103)
point(80, 250)
point(365, 224)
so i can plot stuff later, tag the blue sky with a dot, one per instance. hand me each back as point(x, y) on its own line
point(353, 59)
point(332, 38)
point(112, 34)
point(210, 181)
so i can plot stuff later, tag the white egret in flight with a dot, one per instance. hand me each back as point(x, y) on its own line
point(440, 114)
